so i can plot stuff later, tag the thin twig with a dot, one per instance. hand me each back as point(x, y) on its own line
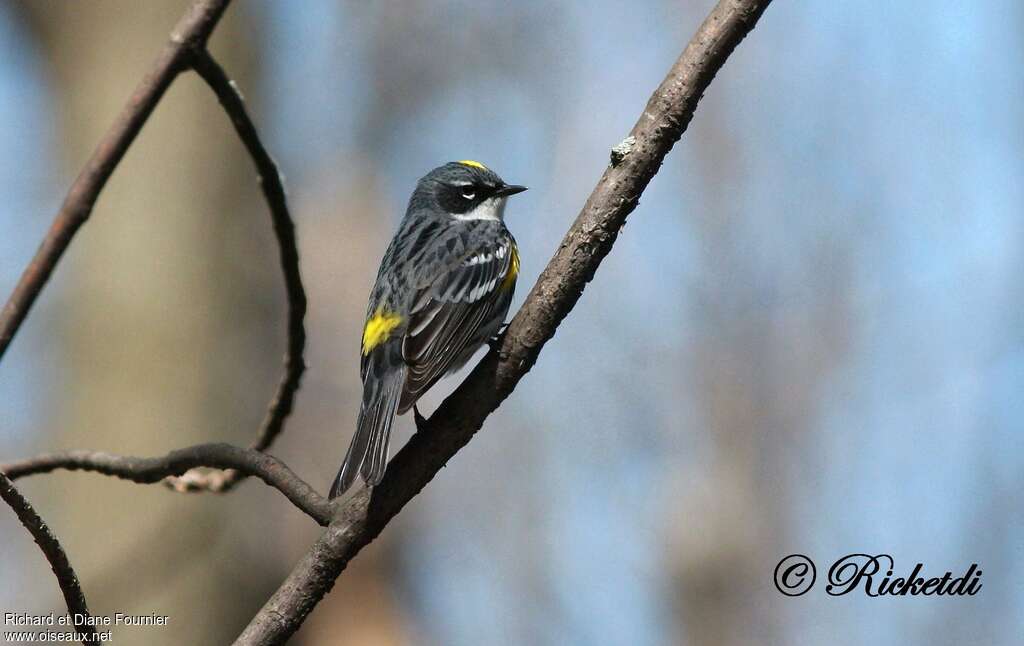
point(588, 241)
point(48, 543)
point(190, 34)
point(284, 229)
point(148, 470)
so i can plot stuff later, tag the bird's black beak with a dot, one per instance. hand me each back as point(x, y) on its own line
point(509, 189)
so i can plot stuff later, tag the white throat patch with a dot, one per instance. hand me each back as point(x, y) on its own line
point(493, 208)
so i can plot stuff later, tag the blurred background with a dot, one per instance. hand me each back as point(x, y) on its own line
point(810, 337)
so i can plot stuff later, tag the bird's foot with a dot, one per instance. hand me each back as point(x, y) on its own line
point(495, 341)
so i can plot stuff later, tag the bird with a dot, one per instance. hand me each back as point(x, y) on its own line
point(443, 289)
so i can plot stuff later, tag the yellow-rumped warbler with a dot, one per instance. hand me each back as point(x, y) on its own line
point(443, 289)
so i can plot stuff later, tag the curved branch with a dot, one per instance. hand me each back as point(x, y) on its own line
point(284, 229)
point(191, 33)
point(66, 577)
point(186, 49)
point(633, 163)
point(148, 470)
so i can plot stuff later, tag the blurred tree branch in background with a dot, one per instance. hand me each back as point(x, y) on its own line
point(249, 462)
point(273, 190)
point(186, 50)
point(356, 522)
point(189, 35)
point(48, 543)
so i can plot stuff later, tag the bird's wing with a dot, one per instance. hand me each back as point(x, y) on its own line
point(448, 314)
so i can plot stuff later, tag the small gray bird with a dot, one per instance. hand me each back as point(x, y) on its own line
point(443, 289)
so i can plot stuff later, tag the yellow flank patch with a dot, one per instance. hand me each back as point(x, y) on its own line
point(513, 270)
point(378, 328)
point(474, 164)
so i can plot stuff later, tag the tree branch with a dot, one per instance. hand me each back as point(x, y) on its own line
point(148, 470)
point(190, 34)
point(186, 49)
point(47, 542)
point(633, 163)
point(284, 229)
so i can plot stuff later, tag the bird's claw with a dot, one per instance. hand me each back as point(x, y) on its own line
point(495, 341)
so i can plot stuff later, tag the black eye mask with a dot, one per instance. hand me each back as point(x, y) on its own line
point(462, 199)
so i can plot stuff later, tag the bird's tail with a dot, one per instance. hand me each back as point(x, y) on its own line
point(368, 454)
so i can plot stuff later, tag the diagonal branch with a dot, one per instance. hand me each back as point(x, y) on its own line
point(148, 470)
point(284, 229)
point(66, 577)
point(634, 162)
point(191, 33)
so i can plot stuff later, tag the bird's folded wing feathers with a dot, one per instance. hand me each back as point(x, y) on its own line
point(449, 313)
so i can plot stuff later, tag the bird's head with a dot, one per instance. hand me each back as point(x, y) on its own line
point(465, 190)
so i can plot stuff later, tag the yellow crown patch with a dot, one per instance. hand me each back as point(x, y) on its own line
point(474, 164)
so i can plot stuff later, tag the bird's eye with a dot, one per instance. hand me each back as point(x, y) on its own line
point(468, 195)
